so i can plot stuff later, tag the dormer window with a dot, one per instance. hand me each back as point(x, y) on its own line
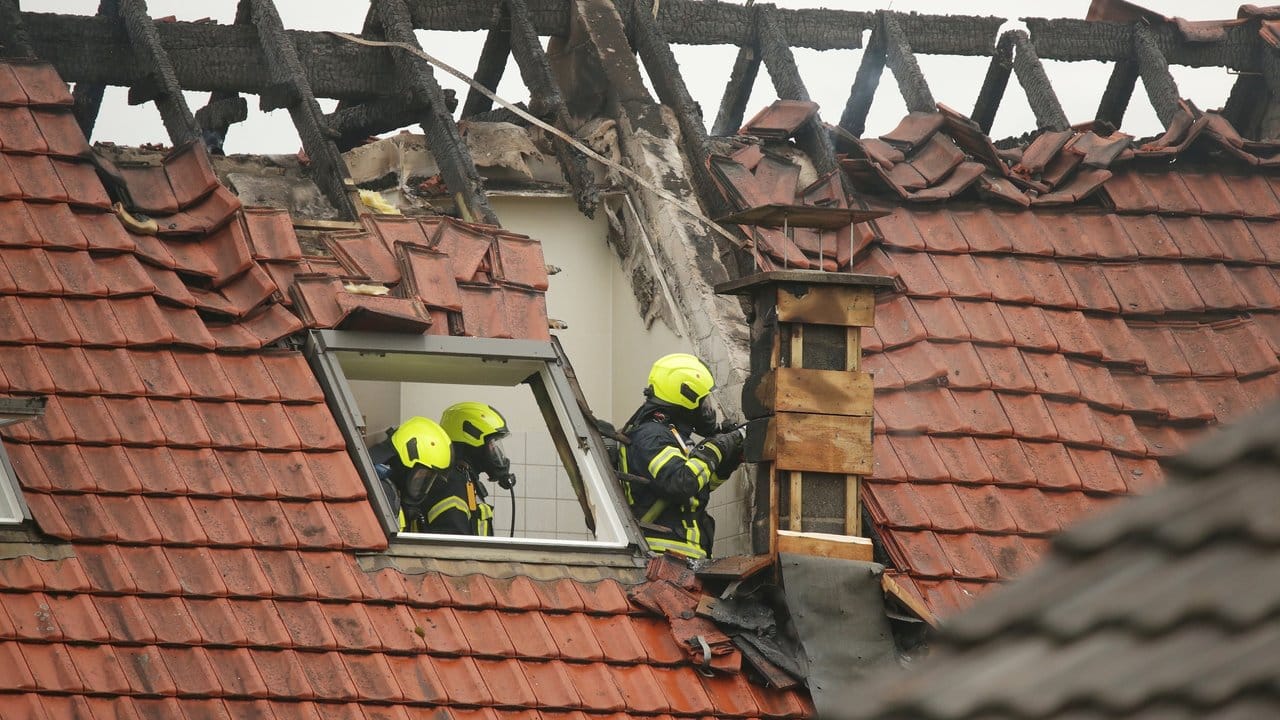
point(564, 493)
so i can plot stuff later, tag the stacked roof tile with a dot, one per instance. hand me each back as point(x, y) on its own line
point(1065, 313)
point(199, 494)
point(1165, 607)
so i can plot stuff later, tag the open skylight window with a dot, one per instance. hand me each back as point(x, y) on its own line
point(565, 495)
point(13, 510)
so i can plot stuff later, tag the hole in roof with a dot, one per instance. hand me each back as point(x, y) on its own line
point(461, 51)
point(707, 88)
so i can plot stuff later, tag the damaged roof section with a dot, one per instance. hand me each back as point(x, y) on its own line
point(213, 550)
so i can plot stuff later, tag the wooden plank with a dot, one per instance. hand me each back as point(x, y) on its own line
point(795, 500)
point(891, 586)
point(773, 511)
point(853, 349)
point(736, 567)
point(852, 511)
point(819, 443)
point(796, 349)
point(801, 216)
point(827, 305)
point(824, 545)
point(825, 392)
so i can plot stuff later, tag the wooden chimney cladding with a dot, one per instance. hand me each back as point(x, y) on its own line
point(810, 408)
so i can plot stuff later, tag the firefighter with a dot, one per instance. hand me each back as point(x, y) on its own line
point(476, 431)
point(415, 461)
point(672, 505)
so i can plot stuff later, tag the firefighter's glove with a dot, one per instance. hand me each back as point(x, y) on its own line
point(506, 481)
point(728, 448)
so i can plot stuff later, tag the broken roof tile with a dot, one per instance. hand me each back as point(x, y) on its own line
point(780, 119)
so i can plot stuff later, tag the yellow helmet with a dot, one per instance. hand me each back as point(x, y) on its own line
point(421, 442)
point(471, 423)
point(680, 379)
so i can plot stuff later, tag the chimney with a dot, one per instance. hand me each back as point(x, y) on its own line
point(809, 407)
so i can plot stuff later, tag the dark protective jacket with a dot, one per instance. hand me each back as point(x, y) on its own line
point(680, 483)
point(456, 506)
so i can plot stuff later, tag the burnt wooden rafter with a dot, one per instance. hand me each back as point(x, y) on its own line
point(664, 73)
point(854, 118)
point(289, 89)
point(1156, 78)
point(1120, 87)
point(776, 53)
point(737, 91)
point(994, 84)
point(492, 63)
point(225, 108)
point(87, 97)
point(162, 86)
point(1035, 83)
point(547, 100)
point(14, 40)
point(418, 82)
point(901, 59)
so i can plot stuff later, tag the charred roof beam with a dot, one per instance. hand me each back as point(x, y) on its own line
point(778, 59)
point(225, 108)
point(546, 99)
point(492, 63)
point(14, 40)
point(1120, 87)
point(664, 73)
point(737, 91)
point(1016, 54)
point(446, 143)
point(712, 22)
point(161, 85)
point(865, 84)
point(1161, 88)
point(87, 97)
point(901, 59)
point(289, 89)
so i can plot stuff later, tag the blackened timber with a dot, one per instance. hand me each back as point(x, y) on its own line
point(712, 22)
point(737, 91)
point(289, 88)
point(443, 138)
point(141, 29)
point(205, 56)
point(1035, 83)
point(902, 61)
point(854, 118)
point(664, 73)
point(352, 125)
point(781, 64)
point(14, 40)
point(1072, 40)
point(492, 63)
point(224, 108)
point(87, 97)
point(535, 70)
point(1156, 78)
point(994, 84)
point(1120, 87)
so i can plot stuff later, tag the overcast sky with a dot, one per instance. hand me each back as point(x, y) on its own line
point(828, 74)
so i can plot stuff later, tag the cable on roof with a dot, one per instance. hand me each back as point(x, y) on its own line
point(689, 209)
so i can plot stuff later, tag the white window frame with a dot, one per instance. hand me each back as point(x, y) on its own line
point(337, 356)
point(13, 507)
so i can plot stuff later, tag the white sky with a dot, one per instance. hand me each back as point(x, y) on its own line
point(828, 74)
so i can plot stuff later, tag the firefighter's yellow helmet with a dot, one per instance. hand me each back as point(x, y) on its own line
point(472, 423)
point(680, 379)
point(422, 442)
